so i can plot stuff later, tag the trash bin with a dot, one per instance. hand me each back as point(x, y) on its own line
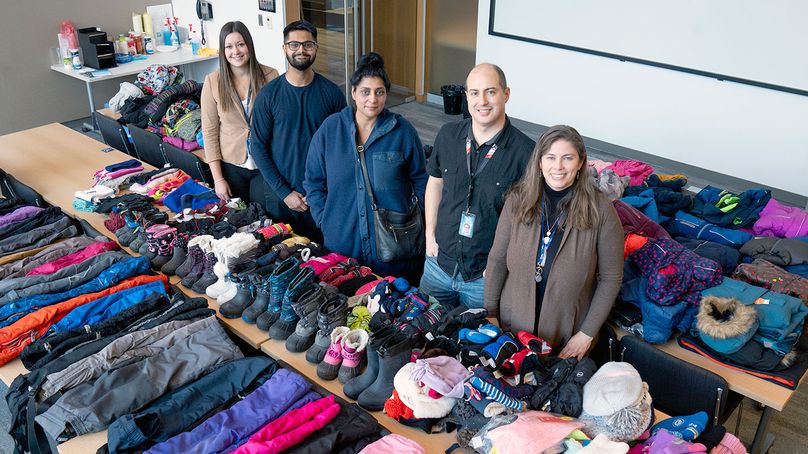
point(452, 99)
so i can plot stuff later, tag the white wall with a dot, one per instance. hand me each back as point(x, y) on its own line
point(747, 132)
point(268, 38)
point(31, 94)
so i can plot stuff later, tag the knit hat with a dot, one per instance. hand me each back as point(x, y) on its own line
point(730, 444)
point(415, 396)
point(625, 424)
point(616, 385)
point(443, 374)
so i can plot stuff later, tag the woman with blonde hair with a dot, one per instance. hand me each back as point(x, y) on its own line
point(227, 101)
point(556, 264)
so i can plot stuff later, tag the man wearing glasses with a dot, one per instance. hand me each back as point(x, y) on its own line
point(288, 111)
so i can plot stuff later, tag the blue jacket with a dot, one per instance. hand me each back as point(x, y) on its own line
point(692, 227)
point(104, 308)
point(780, 317)
point(335, 188)
point(14, 311)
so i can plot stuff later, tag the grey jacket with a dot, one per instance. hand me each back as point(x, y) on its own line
point(136, 345)
point(53, 252)
point(92, 406)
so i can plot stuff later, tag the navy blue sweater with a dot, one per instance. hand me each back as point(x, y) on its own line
point(284, 119)
point(335, 188)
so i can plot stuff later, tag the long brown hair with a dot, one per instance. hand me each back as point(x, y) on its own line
point(580, 205)
point(227, 86)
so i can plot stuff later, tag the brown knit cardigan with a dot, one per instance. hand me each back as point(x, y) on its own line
point(582, 285)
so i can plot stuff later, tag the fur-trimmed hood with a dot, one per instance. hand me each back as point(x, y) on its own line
point(415, 396)
point(725, 324)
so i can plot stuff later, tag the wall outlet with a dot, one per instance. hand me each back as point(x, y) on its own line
point(269, 22)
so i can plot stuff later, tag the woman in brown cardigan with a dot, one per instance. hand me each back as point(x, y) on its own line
point(227, 100)
point(557, 261)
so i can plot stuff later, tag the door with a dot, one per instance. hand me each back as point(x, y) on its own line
point(336, 36)
point(346, 29)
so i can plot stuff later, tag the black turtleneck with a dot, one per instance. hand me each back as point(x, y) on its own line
point(552, 201)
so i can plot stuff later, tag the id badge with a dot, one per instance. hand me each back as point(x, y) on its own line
point(467, 224)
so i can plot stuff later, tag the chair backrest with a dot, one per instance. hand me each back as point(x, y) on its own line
point(148, 146)
point(606, 347)
point(113, 134)
point(187, 162)
point(12, 188)
point(676, 386)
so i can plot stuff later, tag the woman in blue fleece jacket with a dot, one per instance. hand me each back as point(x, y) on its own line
point(396, 167)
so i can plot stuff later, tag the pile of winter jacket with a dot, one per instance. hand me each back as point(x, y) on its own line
point(727, 271)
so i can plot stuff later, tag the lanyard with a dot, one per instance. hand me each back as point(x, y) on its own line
point(247, 107)
point(545, 242)
point(478, 170)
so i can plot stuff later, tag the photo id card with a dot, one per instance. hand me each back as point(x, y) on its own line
point(467, 224)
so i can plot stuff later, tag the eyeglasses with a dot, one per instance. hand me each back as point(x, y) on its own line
point(295, 45)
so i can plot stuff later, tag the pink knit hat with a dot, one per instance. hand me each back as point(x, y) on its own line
point(729, 445)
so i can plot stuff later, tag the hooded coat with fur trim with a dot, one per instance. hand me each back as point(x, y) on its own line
point(780, 317)
point(725, 324)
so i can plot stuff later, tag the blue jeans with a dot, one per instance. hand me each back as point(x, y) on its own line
point(452, 290)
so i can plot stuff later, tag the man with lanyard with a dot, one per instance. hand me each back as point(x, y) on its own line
point(472, 165)
point(287, 112)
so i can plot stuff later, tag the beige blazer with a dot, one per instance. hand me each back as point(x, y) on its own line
point(225, 133)
point(581, 288)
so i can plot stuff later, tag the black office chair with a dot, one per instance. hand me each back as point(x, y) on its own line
point(187, 162)
point(13, 188)
point(606, 346)
point(113, 134)
point(148, 146)
point(678, 387)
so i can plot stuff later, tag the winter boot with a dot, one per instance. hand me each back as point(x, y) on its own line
point(306, 308)
point(194, 254)
point(394, 353)
point(258, 309)
point(208, 277)
point(300, 284)
point(332, 313)
point(328, 369)
point(355, 386)
point(179, 254)
point(354, 344)
point(279, 282)
point(165, 247)
point(139, 240)
point(196, 272)
point(245, 294)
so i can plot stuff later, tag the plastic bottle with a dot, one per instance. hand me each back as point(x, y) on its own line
point(167, 33)
point(193, 38)
point(75, 58)
point(175, 40)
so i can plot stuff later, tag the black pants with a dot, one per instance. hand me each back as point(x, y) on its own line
point(239, 179)
point(302, 223)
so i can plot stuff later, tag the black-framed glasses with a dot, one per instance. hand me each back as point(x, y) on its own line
point(295, 45)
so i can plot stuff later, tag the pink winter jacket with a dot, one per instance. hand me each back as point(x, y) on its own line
point(637, 170)
point(291, 428)
point(76, 257)
point(781, 221)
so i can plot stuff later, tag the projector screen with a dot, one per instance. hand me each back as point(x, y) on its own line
point(761, 43)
